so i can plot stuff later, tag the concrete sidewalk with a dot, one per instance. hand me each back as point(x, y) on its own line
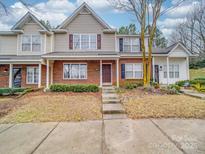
point(105, 137)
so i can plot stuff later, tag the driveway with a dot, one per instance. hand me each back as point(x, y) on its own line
point(107, 137)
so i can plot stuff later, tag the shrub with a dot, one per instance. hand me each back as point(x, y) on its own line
point(174, 86)
point(11, 91)
point(183, 83)
point(170, 91)
point(74, 88)
point(132, 84)
point(198, 64)
point(155, 85)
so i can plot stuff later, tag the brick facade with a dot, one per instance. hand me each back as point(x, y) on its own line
point(93, 72)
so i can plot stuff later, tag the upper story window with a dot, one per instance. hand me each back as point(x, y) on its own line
point(84, 41)
point(31, 43)
point(128, 44)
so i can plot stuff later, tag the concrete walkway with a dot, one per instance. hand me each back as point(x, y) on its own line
point(123, 136)
point(112, 107)
point(193, 93)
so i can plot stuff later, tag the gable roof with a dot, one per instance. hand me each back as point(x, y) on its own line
point(23, 20)
point(170, 49)
point(78, 10)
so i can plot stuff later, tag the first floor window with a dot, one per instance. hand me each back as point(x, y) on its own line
point(173, 71)
point(32, 75)
point(75, 71)
point(133, 71)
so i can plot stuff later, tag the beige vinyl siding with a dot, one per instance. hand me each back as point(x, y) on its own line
point(85, 23)
point(8, 45)
point(61, 42)
point(31, 28)
point(48, 44)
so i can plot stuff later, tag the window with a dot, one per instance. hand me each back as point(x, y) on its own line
point(133, 71)
point(31, 43)
point(75, 71)
point(36, 43)
point(131, 45)
point(32, 75)
point(84, 41)
point(173, 71)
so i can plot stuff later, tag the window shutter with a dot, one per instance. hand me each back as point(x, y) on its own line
point(70, 41)
point(121, 44)
point(122, 71)
point(98, 41)
point(140, 44)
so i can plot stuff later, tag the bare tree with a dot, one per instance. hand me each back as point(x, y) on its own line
point(192, 31)
point(145, 10)
point(4, 8)
point(139, 9)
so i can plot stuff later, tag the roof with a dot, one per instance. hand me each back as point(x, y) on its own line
point(78, 10)
point(18, 57)
point(169, 49)
point(82, 54)
point(22, 21)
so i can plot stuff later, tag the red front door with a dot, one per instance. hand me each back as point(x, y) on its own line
point(106, 73)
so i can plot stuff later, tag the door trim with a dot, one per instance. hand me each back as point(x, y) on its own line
point(106, 84)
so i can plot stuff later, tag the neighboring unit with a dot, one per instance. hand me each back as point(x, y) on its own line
point(83, 49)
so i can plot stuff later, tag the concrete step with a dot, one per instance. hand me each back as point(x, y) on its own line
point(114, 116)
point(110, 96)
point(113, 109)
point(109, 101)
point(109, 91)
point(108, 88)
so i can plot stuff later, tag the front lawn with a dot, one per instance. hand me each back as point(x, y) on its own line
point(141, 104)
point(44, 107)
point(197, 73)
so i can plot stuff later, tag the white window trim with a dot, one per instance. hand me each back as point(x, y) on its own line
point(78, 70)
point(174, 75)
point(31, 44)
point(130, 44)
point(133, 70)
point(33, 77)
point(88, 38)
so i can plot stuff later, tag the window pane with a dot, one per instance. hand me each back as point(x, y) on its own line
point(32, 75)
point(26, 43)
point(135, 45)
point(84, 41)
point(129, 74)
point(76, 41)
point(83, 71)
point(35, 75)
point(128, 67)
point(138, 75)
point(93, 41)
point(129, 71)
point(67, 71)
point(36, 43)
point(29, 75)
point(165, 71)
point(74, 71)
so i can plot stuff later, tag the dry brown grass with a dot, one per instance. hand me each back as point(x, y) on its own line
point(140, 104)
point(43, 107)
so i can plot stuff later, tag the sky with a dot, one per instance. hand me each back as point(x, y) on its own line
point(56, 11)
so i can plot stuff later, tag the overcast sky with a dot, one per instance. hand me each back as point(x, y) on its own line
point(58, 10)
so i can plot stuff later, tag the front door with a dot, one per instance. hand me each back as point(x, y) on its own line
point(16, 77)
point(156, 72)
point(106, 74)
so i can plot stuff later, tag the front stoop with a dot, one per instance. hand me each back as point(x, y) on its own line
point(112, 108)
